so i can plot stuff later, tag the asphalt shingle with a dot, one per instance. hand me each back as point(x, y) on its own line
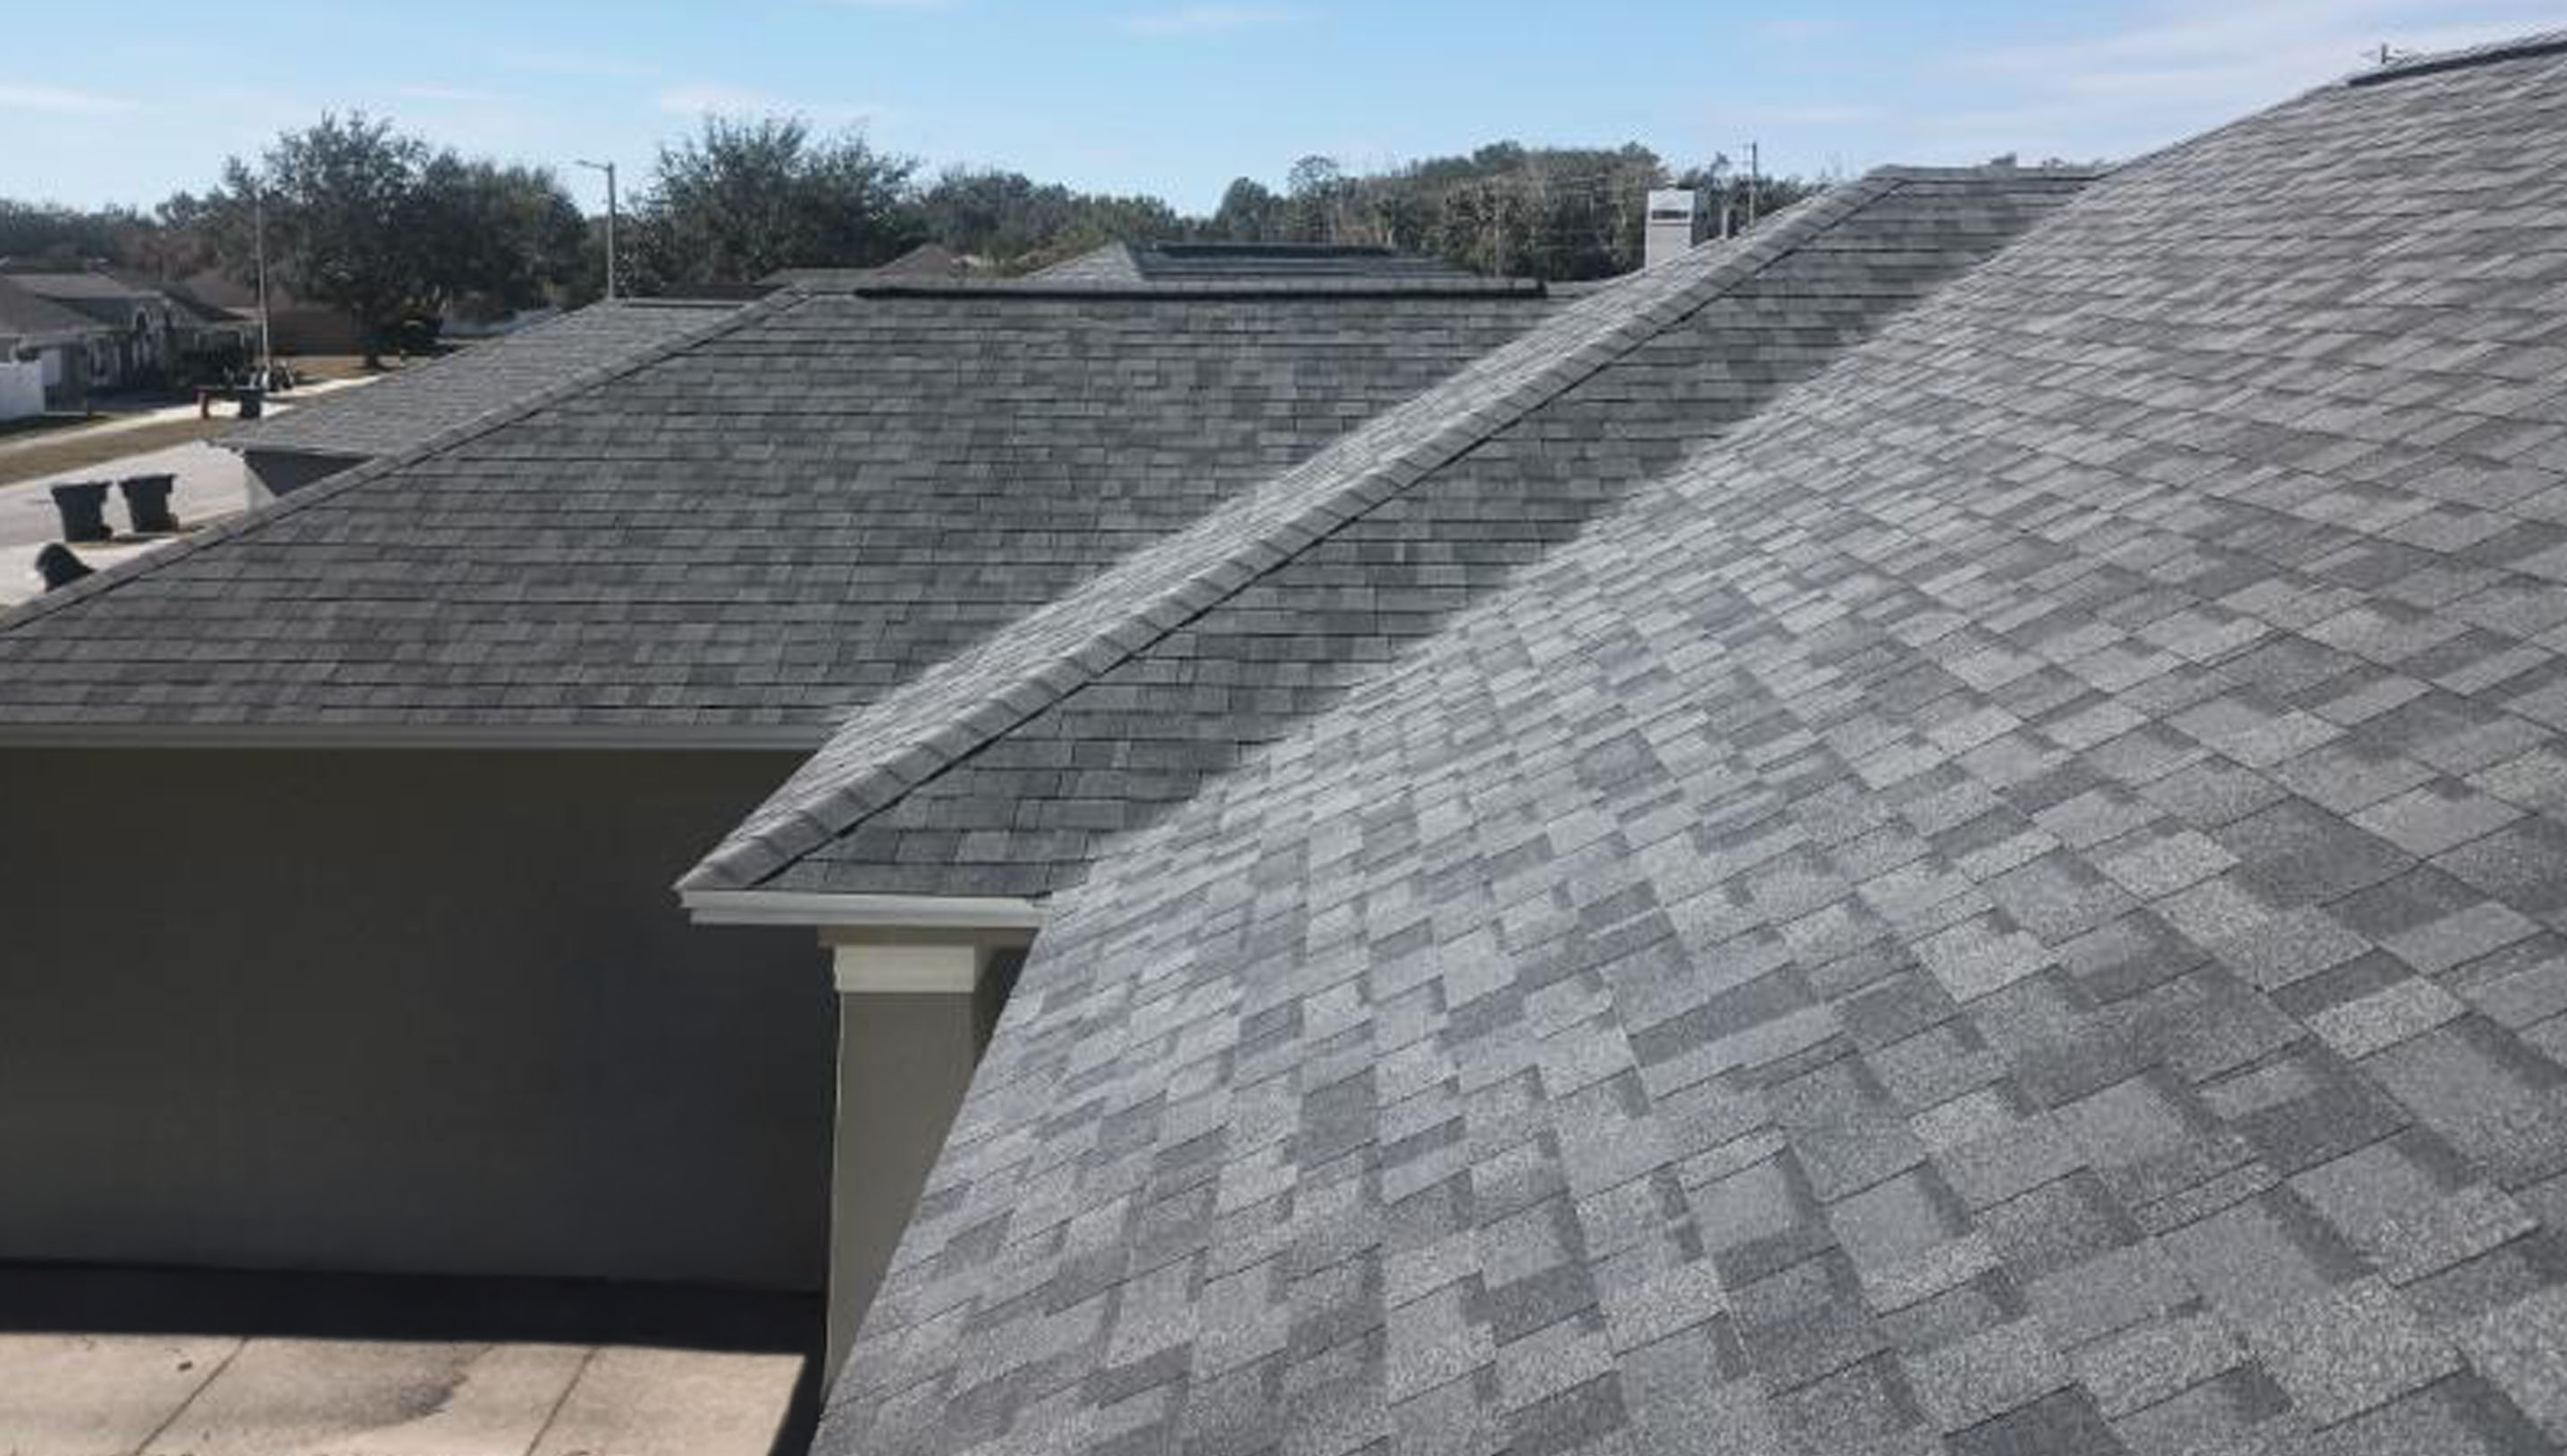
point(1986, 907)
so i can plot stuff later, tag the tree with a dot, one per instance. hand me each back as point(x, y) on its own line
point(340, 202)
point(68, 237)
point(745, 197)
point(495, 238)
point(365, 219)
point(1249, 212)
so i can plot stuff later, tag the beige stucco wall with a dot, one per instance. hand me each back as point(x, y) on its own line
point(410, 1012)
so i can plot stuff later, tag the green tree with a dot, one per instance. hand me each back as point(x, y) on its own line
point(340, 202)
point(366, 220)
point(494, 238)
point(745, 197)
point(1249, 212)
point(55, 236)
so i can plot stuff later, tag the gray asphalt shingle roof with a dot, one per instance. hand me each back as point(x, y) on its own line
point(762, 525)
point(28, 315)
point(428, 399)
point(2015, 903)
point(1118, 701)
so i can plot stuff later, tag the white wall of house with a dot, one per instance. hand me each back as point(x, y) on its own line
point(22, 389)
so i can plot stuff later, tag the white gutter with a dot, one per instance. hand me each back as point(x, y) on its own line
point(863, 912)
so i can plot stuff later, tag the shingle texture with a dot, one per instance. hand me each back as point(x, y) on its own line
point(767, 524)
point(1558, 427)
point(426, 400)
point(2012, 904)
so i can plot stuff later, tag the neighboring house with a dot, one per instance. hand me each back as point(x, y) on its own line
point(295, 325)
point(140, 342)
point(1936, 830)
point(1181, 262)
point(150, 333)
point(49, 345)
point(426, 400)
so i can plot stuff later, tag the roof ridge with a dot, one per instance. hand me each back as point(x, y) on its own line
point(355, 478)
point(972, 700)
point(2537, 43)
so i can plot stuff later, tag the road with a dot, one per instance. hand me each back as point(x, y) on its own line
point(211, 484)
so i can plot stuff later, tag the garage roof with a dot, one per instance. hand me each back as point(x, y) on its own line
point(429, 398)
point(747, 529)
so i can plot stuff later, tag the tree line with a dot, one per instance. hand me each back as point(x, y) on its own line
point(361, 216)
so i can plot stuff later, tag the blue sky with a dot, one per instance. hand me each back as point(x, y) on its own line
point(128, 103)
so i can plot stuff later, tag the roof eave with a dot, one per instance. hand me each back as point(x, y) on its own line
point(827, 912)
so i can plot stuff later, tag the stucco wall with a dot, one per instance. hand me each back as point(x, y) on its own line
point(402, 1011)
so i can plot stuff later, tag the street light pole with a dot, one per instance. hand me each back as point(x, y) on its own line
point(607, 168)
point(259, 225)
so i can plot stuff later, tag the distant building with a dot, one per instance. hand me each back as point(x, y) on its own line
point(49, 346)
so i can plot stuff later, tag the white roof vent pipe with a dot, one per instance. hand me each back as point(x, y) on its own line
point(1675, 224)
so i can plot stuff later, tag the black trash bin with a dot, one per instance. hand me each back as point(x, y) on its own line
point(83, 504)
point(59, 567)
point(253, 402)
point(147, 500)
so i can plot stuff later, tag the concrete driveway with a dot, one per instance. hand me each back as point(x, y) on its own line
point(212, 484)
point(141, 1362)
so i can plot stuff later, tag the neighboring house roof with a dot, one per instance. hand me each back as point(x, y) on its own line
point(754, 528)
point(927, 260)
point(26, 315)
point(1180, 262)
point(204, 314)
point(65, 287)
point(1217, 639)
point(101, 297)
point(2017, 902)
point(428, 399)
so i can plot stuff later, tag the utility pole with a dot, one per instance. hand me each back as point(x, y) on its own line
point(258, 248)
point(607, 168)
point(1752, 171)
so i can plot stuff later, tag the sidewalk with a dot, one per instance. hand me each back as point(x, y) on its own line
point(171, 1363)
point(112, 425)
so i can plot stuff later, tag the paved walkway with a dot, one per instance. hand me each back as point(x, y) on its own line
point(109, 425)
point(194, 1392)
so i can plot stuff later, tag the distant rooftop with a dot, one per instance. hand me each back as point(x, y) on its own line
point(1230, 261)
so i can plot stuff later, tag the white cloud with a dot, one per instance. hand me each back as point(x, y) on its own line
point(17, 97)
point(446, 95)
point(576, 63)
point(710, 97)
point(1807, 115)
point(1800, 28)
point(2182, 65)
point(1205, 19)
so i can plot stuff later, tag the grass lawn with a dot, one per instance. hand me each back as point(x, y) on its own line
point(38, 457)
